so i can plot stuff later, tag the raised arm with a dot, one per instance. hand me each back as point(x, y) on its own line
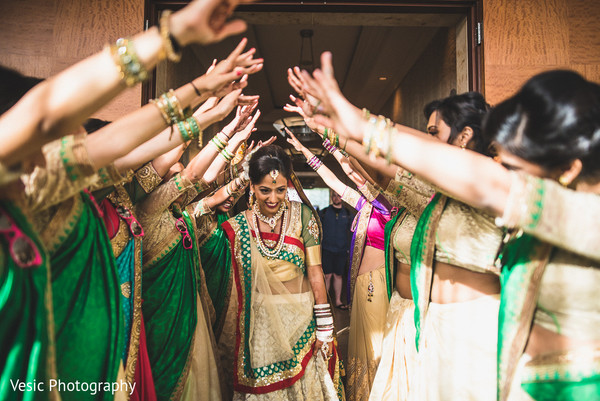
point(467, 176)
point(327, 175)
point(60, 104)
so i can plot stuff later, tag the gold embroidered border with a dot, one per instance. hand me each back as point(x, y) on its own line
point(134, 339)
point(571, 364)
point(148, 177)
point(359, 245)
point(351, 197)
point(61, 223)
point(120, 240)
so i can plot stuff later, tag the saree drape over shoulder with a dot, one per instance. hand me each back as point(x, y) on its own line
point(550, 277)
point(88, 316)
point(275, 327)
point(179, 339)
point(26, 334)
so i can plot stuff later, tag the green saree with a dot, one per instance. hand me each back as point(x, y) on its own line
point(216, 263)
point(26, 351)
point(169, 308)
point(85, 290)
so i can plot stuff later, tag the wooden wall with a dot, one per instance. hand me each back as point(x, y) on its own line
point(43, 37)
point(432, 77)
point(524, 37)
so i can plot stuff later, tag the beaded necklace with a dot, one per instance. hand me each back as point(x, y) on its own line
point(270, 221)
point(264, 249)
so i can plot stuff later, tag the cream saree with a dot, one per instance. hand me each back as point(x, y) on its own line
point(274, 357)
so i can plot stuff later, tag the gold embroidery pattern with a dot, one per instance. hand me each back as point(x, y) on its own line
point(148, 177)
point(313, 228)
point(134, 339)
point(120, 240)
point(351, 197)
point(360, 375)
point(61, 223)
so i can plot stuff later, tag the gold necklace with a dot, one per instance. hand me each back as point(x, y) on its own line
point(270, 221)
point(264, 249)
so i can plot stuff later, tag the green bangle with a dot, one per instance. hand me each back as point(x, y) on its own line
point(185, 135)
point(194, 128)
point(325, 133)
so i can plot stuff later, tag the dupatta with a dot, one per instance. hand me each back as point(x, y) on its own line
point(422, 251)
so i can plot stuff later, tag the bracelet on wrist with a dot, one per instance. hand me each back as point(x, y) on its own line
point(171, 47)
point(125, 57)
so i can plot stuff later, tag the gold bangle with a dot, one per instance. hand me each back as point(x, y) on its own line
point(125, 57)
point(170, 46)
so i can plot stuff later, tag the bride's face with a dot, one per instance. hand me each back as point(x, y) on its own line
point(270, 193)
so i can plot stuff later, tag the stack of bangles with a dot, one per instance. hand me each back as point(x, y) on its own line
point(170, 108)
point(125, 57)
point(235, 185)
point(220, 144)
point(315, 163)
point(324, 323)
point(378, 136)
point(189, 129)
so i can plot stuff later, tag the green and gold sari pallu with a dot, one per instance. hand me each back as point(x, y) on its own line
point(26, 348)
point(170, 311)
point(558, 376)
point(86, 297)
point(421, 255)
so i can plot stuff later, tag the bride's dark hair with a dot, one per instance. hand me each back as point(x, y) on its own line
point(267, 158)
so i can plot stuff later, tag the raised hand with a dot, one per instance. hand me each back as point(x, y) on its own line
point(298, 107)
point(292, 140)
point(334, 110)
point(205, 21)
point(231, 73)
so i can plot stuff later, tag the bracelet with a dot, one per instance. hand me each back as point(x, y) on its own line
point(169, 107)
point(329, 146)
point(198, 93)
point(186, 134)
point(125, 57)
point(377, 139)
point(315, 163)
point(325, 133)
point(227, 155)
point(170, 44)
point(218, 143)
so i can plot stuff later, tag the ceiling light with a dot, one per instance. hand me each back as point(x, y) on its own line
point(382, 78)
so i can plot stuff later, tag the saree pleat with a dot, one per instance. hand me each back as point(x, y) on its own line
point(25, 348)
point(169, 308)
point(87, 305)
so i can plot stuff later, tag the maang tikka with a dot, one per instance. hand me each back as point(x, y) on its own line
point(274, 174)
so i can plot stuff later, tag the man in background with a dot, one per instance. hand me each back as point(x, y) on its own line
point(336, 221)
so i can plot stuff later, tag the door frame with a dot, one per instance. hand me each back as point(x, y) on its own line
point(471, 9)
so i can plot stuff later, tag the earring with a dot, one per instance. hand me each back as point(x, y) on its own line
point(463, 146)
point(251, 198)
point(563, 181)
